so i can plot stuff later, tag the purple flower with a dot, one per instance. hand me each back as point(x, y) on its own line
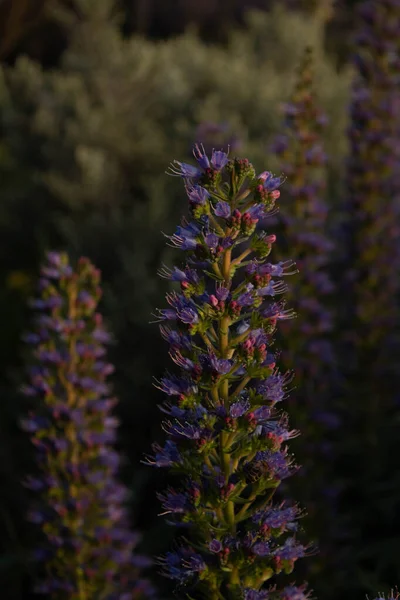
point(188, 316)
point(200, 156)
point(219, 159)
point(215, 546)
point(197, 195)
point(250, 594)
point(221, 292)
point(247, 298)
point(293, 592)
point(256, 212)
point(275, 465)
point(211, 240)
point(291, 550)
point(165, 457)
point(223, 209)
point(185, 237)
point(219, 365)
point(274, 388)
point(238, 409)
point(277, 518)
point(174, 385)
point(261, 549)
point(174, 502)
point(181, 169)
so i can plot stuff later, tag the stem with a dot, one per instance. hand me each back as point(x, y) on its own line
point(216, 225)
point(240, 387)
point(242, 196)
point(72, 401)
point(207, 341)
point(240, 337)
point(226, 265)
point(215, 395)
point(224, 335)
point(239, 259)
point(216, 269)
point(208, 463)
point(224, 349)
point(235, 579)
point(244, 508)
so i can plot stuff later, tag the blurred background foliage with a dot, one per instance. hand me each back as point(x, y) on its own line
point(96, 98)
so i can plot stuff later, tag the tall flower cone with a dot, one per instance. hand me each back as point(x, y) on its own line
point(308, 348)
point(85, 551)
point(370, 321)
point(374, 182)
point(303, 159)
point(226, 432)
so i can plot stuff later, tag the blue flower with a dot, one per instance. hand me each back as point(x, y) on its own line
point(201, 156)
point(215, 546)
point(251, 594)
point(222, 209)
point(291, 550)
point(261, 549)
point(293, 592)
point(198, 195)
point(219, 159)
point(239, 408)
point(181, 169)
point(164, 457)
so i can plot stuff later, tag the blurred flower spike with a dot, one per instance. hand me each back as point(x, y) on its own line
point(86, 545)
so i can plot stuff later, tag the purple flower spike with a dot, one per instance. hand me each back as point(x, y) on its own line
point(225, 431)
point(78, 502)
point(374, 182)
point(303, 160)
point(201, 157)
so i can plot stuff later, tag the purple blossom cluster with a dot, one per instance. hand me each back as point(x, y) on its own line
point(226, 433)
point(86, 544)
point(300, 150)
point(373, 177)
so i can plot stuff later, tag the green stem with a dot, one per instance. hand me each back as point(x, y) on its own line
point(240, 338)
point(216, 270)
point(239, 259)
point(240, 387)
point(207, 341)
point(216, 225)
